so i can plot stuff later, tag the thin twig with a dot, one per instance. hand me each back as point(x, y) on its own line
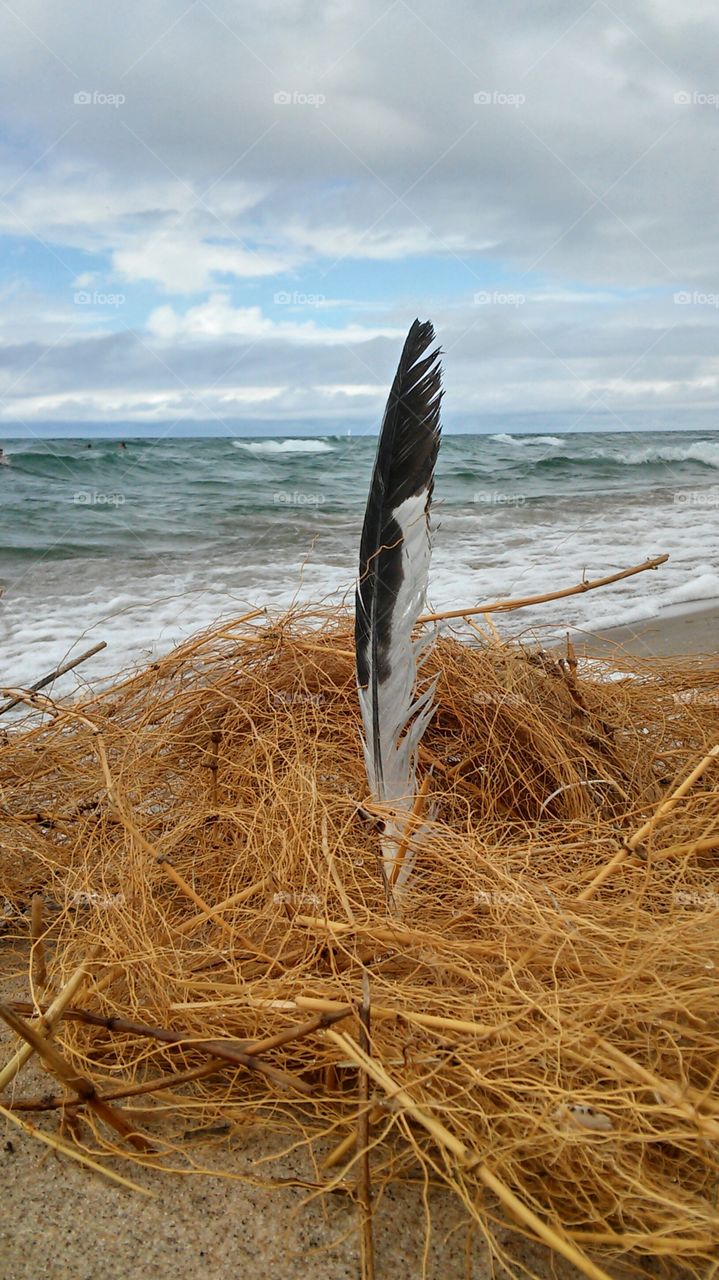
point(81, 1085)
point(633, 843)
point(625, 851)
point(364, 1184)
point(54, 675)
point(156, 1085)
point(508, 606)
point(465, 1157)
point(61, 1001)
point(239, 1053)
point(37, 952)
point(210, 912)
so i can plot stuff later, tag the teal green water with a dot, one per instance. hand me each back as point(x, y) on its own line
point(148, 542)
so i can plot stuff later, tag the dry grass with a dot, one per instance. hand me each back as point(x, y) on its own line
point(544, 1045)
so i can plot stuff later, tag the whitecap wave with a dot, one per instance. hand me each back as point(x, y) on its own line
point(703, 451)
point(275, 447)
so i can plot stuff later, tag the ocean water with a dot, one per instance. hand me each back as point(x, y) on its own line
point(141, 546)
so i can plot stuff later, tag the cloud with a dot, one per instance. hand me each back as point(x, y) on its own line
point(218, 318)
point(183, 264)
point(203, 160)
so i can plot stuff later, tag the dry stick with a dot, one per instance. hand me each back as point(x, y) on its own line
point(59, 671)
point(246, 617)
point(324, 1019)
point(624, 852)
point(190, 893)
point(378, 933)
point(156, 1085)
point(339, 1152)
point(507, 606)
point(239, 1053)
point(635, 840)
point(364, 1185)
point(571, 658)
point(37, 949)
point(694, 846)
point(210, 911)
point(247, 1048)
point(466, 1158)
point(80, 1085)
point(213, 766)
point(60, 1003)
point(218, 1049)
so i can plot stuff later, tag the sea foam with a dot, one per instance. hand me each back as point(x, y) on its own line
point(273, 447)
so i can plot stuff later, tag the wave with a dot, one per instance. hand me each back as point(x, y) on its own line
point(703, 454)
point(520, 441)
point(502, 438)
point(271, 447)
point(703, 451)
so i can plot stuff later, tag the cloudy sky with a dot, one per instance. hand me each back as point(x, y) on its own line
point(224, 215)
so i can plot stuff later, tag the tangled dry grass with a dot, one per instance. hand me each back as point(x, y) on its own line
point(534, 1024)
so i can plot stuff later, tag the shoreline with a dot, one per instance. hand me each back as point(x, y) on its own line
point(689, 632)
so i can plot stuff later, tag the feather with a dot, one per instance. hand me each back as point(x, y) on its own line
point(393, 572)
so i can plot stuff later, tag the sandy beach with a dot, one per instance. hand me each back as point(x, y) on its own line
point(63, 1221)
point(675, 632)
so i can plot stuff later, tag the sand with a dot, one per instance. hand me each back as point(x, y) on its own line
point(61, 1220)
point(692, 632)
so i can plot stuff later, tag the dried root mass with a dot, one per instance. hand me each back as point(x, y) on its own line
point(544, 1004)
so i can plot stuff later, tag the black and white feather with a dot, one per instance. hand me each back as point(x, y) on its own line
point(393, 573)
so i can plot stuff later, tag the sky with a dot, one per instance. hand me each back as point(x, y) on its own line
point(224, 216)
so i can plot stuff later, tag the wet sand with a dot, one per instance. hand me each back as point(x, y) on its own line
point(695, 632)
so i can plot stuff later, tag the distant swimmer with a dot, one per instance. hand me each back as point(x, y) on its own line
point(121, 444)
point(88, 446)
point(4, 460)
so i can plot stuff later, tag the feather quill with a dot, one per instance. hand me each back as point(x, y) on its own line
point(393, 573)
